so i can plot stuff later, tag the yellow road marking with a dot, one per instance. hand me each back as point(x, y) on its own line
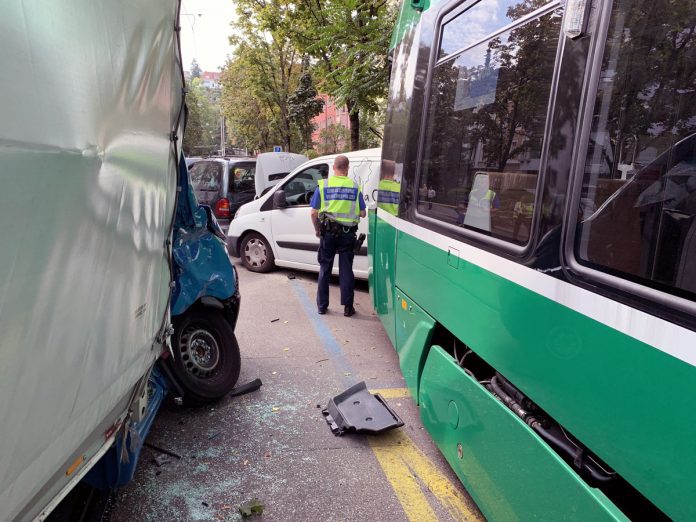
point(392, 393)
point(404, 465)
point(404, 484)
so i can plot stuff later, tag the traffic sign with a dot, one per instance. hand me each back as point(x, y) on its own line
point(277, 148)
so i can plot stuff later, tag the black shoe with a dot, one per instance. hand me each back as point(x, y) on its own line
point(321, 311)
point(348, 311)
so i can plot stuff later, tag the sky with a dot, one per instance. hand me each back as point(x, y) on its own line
point(205, 28)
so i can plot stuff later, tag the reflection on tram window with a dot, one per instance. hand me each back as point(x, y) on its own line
point(640, 171)
point(486, 126)
point(480, 20)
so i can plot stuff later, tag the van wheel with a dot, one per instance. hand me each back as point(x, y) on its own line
point(206, 360)
point(256, 253)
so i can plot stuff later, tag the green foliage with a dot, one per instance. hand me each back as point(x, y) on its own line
point(261, 77)
point(333, 139)
point(372, 126)
point(195, 69)
point(304, 105)
point(349, 40)
point(202, 133)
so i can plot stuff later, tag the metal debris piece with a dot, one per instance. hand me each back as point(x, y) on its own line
point(251, 508)
point(356, 410)
point(246, 388)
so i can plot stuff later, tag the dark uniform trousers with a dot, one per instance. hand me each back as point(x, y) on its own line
point(330, 244)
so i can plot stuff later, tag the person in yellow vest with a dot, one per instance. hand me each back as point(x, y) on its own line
point(522, 214)
point(388, 190)
point(337, 206)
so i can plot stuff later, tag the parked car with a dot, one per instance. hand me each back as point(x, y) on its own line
point(224, 184)
point(265, 236)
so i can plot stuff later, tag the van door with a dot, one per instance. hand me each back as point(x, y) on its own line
point(293, 232)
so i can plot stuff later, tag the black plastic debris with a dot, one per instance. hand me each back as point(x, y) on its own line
point(161, 450)
point(292, 276)
point(246, 388)
point(356, 410)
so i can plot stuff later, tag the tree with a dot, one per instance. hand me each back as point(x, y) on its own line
point(372, 126)
point(304, 105)
point(349, 39)
point(195, 69)
point(202, 122)
point(333, 138)
point(270, 61)
point(249, 120)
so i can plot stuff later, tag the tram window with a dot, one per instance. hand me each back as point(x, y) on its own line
point(485, 128)
point(481, 19)
point(638, 210)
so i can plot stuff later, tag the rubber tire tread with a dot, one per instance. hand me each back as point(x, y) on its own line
point(270, 260)
point(202, 391)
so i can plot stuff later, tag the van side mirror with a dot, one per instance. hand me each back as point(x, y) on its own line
point(279, 200)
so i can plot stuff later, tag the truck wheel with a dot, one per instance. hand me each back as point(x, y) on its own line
point(256, 253)
point(206, 360)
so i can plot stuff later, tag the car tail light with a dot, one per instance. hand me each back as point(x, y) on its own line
point(222, 208)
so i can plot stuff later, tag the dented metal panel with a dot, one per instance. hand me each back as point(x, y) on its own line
point(90, 95)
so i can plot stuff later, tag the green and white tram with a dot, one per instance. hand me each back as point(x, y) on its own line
point(534, 261)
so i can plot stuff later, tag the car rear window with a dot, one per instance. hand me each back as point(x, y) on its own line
point(206, 176)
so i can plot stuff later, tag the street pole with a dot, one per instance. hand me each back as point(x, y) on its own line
point(222, 135)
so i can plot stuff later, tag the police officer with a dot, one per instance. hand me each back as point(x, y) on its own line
point(388, 190)
point(337, 206)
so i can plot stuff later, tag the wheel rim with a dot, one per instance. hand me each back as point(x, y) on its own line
point(255, 252)
point(200, 352)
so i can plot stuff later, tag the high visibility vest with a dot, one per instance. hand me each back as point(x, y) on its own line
point(485, 202)
point(388, 193)
point(523, 209)
point(339, 200)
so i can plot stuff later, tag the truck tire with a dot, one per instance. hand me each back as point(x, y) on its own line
point(256, 253)
point(206, 360)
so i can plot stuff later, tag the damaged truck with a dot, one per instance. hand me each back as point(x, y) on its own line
point(115, 285)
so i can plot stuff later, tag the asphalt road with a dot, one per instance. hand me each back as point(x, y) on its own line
point(274, 445)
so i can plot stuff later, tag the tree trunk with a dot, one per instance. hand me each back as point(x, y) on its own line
point(354, 116)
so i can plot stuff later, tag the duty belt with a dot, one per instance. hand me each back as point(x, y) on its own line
point(334, 228)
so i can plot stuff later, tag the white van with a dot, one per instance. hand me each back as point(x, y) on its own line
point(265, 236)
point(271, 167)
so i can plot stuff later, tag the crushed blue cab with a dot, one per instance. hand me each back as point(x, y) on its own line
point(201, 264)
point(112, 471)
